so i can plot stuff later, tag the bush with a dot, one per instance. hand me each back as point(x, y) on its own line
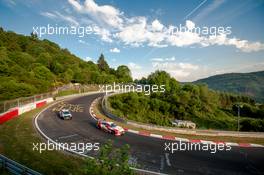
point(110, 161)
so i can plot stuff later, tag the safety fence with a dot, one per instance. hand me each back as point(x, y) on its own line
point(9, 104)
point(107, 112)
point(14, 167)
point(200, 132)
point(13, 108)
point(75, 88)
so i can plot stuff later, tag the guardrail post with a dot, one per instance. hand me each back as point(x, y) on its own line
point(24, 171)
point(3, 164)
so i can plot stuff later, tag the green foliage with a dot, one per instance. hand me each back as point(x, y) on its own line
point(249, 84)
point(11, 89)
point(248, 124)
point(207, 108)
point(248, 110)
point(29, 65)
point(123, 74)
point(102, 64)
point(110, 161)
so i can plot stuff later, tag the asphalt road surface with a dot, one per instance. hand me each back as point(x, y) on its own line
point(148, 153)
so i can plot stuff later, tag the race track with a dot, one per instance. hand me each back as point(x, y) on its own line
point(148, 152)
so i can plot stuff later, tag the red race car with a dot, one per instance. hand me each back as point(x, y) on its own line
point(110, 127)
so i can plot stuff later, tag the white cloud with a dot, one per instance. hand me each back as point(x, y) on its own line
point(138, 31)
point(174, 66)
point(162, 59)
point(190, 25)
point(115, 50)
point(243, 45)
point(181, 39)
point(48, 15)
point(156, 25)
point(83, 42)
point(88, 59)
point(180, 71)
point(157, 59)
point(103, 15)
point(75, 4)
point(57, 15)
point(104, 34)
point(188, 66)
point(134, 33)
point(134, 66)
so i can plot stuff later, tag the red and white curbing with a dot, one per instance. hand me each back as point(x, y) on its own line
point(169, 137)
point(15, 112)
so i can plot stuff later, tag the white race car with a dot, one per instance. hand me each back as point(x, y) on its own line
point(110, 127)
point(65, 114)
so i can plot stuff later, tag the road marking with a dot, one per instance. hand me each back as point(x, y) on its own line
point(182, 139)
point(167, 159)
point(195, 141)
point(207, 142)
point(168, 137)
point(232, 144)
point(256, 145)
point(147, 171)
point(68, 136)
point(161, 163)
point(132, 161)
point(144, 133)
point(156, 135)
point(71, 107)
point(132, 131)
point(244, 144)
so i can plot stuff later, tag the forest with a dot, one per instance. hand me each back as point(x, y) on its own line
point(250, 84)
point(209, 109)
point(30, 66)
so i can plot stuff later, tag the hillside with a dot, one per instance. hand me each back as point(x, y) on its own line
point(29, 66)
point(207, 108)
point(250, 84)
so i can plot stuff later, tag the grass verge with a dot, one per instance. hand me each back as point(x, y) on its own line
point(67, 92)
point(99, 113)
point(16, 142)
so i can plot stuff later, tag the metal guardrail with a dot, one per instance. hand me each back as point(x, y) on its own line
point(108, 113)
point(9, 104)
point(15, 168)
point(201, 132)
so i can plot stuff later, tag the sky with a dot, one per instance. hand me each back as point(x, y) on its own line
point(146, 36)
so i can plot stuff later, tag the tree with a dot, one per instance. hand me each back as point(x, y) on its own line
point(110, 161)
point(102, 64)
point(34, 36)
point(123, 74)
point(43, 73)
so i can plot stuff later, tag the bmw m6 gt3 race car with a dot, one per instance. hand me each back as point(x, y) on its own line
point(110, 127)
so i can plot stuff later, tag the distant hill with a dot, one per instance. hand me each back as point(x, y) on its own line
point(250, 84)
